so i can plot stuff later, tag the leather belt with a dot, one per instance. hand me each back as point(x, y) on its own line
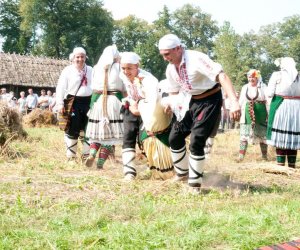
point(289, 97)
point(207, 93)
point(108, 92)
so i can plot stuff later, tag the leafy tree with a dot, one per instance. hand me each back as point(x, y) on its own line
point(289, 33)
point(226, 52)
point(163, 23)
point(195, 27)
point(62, 25)
point(152, 60)
point(130, 32)
point(10, 19)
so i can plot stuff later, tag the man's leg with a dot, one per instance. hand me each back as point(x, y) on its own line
point(179, 153)
point(71, 145)
point(131, 128)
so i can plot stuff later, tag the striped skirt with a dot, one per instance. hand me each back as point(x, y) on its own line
point(285, 128)
point(107, 130)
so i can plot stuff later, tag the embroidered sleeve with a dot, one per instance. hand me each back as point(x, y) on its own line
point(208, 67)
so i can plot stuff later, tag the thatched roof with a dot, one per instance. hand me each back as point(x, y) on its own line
point(29, 70)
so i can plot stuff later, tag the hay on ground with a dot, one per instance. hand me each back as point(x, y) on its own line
point(40, 118)
point(10, 127)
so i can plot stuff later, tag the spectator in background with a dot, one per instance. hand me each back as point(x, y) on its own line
point(253, 122)
point(11, 99)
point(4, 96)
point(43, 100)
point(52, 103)
point(31, 101)
point(22, 103)
point(284, 120)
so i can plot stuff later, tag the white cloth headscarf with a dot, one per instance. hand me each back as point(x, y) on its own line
point(78, 50)
point(130, 57)
point(107, 57)
point(288, 69)
point(169, 41)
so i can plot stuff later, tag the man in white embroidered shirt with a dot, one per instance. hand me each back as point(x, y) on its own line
point(198, 79)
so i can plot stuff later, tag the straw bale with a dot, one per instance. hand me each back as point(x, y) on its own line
point(40, 118)
point(10, 124)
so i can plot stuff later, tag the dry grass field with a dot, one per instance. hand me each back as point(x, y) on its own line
point(48, 203)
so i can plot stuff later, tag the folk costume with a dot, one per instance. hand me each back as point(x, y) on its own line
point(284, 122)
point(143, 91)
point(105, 125)
point(73, 80)
point(154, 136)
point(201, 101)
point(253, 122)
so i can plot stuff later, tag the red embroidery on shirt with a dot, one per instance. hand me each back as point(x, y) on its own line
point(184, 78)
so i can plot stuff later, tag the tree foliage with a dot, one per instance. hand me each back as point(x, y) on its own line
point(195, 27)
point(53, 28)
point(15, 40)
point(56, 27)
point(130, 32)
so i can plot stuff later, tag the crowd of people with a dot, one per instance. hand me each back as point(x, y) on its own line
point(116, 102)
point(25, 104)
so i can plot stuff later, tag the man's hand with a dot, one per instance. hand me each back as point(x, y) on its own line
point(62, 110)
point(235, 111)
point(133, 108)
point(168, 109)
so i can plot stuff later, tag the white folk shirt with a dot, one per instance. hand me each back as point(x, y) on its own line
point(280, 84)
point(146, 88)
point(197, 73)
point(70, 80)
point(114, 81)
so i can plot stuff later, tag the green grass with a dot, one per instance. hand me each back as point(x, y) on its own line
point(47, 204)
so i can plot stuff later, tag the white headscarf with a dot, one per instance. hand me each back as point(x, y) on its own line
point(130, 57)
point(169, 41)
point(78, 50)
point(288, 69)
point(108, 55)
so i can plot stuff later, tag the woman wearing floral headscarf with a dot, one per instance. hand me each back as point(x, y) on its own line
point(105, 125)
point(253, 122)
point(284, 121)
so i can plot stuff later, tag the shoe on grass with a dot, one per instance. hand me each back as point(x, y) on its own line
point(89, 161)
point(129, 177)
point(178, 178)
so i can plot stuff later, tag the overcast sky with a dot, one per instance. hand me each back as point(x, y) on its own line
point(242, 14)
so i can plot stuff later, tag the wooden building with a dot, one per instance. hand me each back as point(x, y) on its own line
point(20, 72)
